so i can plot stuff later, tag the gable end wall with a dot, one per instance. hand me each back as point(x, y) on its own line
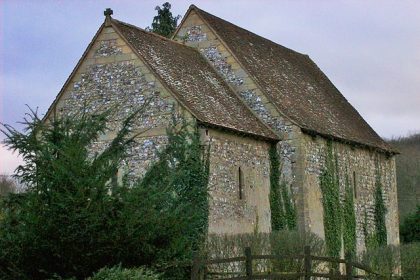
point(112, 76)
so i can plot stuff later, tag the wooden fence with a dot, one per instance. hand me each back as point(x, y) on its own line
point(200, 268)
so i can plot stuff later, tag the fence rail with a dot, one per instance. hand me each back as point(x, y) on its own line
point(200, 268)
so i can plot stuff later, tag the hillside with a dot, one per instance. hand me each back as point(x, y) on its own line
point(408, 173)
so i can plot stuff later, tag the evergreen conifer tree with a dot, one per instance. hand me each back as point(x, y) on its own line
point(164, 23)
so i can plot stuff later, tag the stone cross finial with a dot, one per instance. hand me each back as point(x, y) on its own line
point(108, 12)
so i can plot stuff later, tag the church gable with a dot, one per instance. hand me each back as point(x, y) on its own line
point(293, 83)
point(194, 31)
point(194, 83)
point(111, 76)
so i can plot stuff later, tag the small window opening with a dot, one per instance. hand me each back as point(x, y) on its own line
point(207, 132)
point(354, 185)
point(241, 183)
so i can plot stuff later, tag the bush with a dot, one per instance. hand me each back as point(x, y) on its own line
point(73, 219)
point(410, 256)
point(118, 273)
point(410, 227)
point(281, 243)
point(382, 260)
point(388, 260)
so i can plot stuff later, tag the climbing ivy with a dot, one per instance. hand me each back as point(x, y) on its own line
point(380, 209)
point(349, 221)
point(370, 238)
point(330, 189)
point(283, 214)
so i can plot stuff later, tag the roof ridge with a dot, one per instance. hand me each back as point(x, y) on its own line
point(149, 32)
point(194, 7)
point(333, 100)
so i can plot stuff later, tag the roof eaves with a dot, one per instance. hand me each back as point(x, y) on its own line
point(240, 132)
point(352, 143)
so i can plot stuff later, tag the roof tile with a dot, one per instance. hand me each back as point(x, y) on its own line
point(194, 82)
point(296, 86)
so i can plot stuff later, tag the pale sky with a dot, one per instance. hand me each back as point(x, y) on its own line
point(370, 50)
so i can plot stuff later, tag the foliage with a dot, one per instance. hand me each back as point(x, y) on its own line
point(388, 260)
point(349, 221)
point(165, 23)
point(277, 211)
point(380, 210)
point(7, 185)
point(410, 256)
point(383, 260)
point(408, 173)
point(283, 214)
point(371, 241)
point(330, 188)
point(410, 227)
point(72, 220)
point(281, 243)
point(182, 172)
point(119, 273)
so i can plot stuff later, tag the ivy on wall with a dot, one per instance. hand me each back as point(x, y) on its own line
point(380, 209)
point(349, 221)
point(283, 213)
point(330, 189)
point(340, 218)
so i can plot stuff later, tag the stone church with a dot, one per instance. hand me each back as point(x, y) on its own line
point(246, 94)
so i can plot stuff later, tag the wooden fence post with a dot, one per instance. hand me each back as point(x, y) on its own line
point(308, 262)
point(248, 262)
point(349, 268)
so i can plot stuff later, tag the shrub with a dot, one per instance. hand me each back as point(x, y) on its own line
point(410, 256)
point(118, 273)
point(388, 260)
point(383, 260)
point(410, 227)
point(73, 219)
point(281, 243)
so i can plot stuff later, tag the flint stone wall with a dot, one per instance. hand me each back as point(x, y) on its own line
point(112, 77)
point(359, 164)
point(233, 73)
point(302, 157)
point(228, 213)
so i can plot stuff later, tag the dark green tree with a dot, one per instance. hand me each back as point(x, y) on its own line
point(7, 185)
point(165, 23)
point(410, 227)
point(72, 220)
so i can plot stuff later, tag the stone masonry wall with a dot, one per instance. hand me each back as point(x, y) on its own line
point(194, 32)
point(112, 77)
point(302, 158)
point(229, 214)
point(359, 165)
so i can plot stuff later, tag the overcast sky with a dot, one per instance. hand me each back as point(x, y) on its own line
point(369, 49)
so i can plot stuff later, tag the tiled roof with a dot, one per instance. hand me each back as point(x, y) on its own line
point(195, 83)
point(294, 83)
